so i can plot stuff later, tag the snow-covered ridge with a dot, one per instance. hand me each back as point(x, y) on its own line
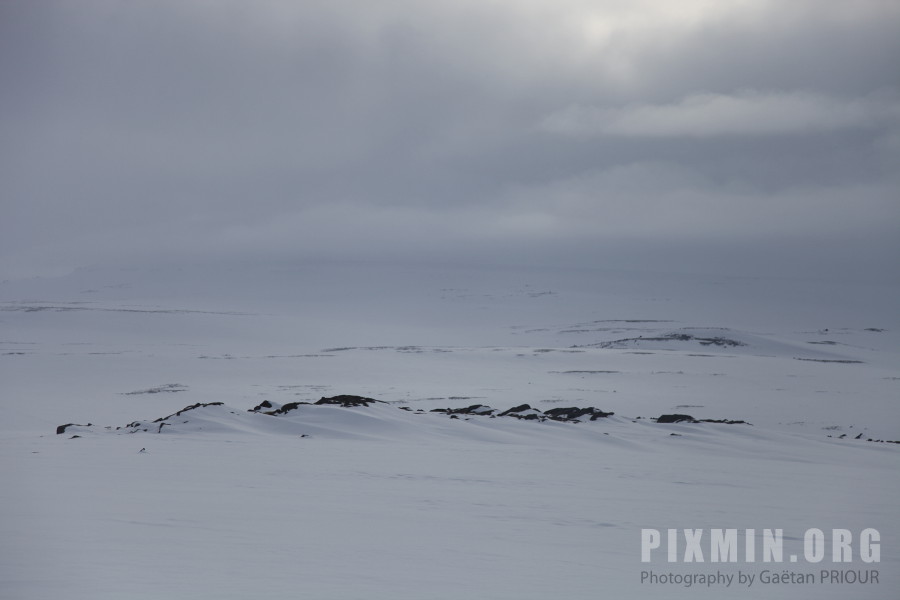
point(349, 416)
point(271, 417)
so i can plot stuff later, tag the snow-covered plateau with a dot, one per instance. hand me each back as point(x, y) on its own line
point(354, 431)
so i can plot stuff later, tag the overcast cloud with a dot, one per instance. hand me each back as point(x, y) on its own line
point(744, 136)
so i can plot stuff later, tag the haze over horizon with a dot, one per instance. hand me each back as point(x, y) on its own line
point(752, 138)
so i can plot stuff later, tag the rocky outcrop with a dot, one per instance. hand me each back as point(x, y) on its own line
point(690, 419)
point(263, 406)
point(678, 336)
point(523, 411)
point(527, 413)
point(676, 419)
point(343, 400)
point(576, 414)
point(62, 428)
point(348, 401)
point(475, 409)
point(188, 408)
point(283, 410)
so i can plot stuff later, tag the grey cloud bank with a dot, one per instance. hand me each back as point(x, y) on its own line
point(746, 113)
point(746, 137)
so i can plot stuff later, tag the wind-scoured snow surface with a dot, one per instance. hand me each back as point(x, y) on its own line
point(166, 483)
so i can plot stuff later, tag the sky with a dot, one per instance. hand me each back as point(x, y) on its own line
point(750, 137)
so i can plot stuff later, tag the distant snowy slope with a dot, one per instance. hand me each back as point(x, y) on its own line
point(724, 340)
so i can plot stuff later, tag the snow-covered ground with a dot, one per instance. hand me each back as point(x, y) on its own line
point(392, 500)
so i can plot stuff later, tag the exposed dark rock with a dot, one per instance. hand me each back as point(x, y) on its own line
point(719, 341)
point(515, 409)
point(526, 412)
point(287, 408)
point(186, 409)
point(599, 414)
point(574, 413)
point(62, 428)
point(262, 405)
point(589, 372)
point(689, 419)
point(703, 341)
point(347, 401)
point(475, 409)
point(676, 419)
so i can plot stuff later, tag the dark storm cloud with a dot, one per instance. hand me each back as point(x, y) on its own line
point(716, 135)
